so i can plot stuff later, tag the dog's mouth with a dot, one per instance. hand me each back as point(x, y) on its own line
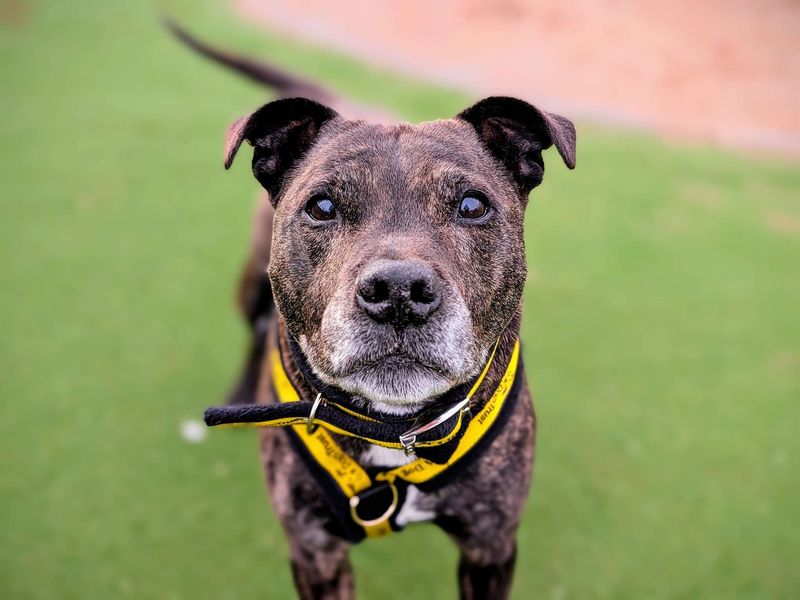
point(399, 378)
point(394, 377)
point(395, 361)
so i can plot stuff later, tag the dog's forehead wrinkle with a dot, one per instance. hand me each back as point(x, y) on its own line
point(354, 156)
point(398, 170)
point(433, 141)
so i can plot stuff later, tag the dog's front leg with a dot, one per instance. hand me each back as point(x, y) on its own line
point(324, 574)
point(488, 552)
point(320, 563)
point(481, 576)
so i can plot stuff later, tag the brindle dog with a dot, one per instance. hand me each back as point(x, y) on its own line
point(397, 260)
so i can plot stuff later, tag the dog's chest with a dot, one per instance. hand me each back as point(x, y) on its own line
point(418, 506)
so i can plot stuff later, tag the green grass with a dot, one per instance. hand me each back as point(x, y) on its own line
point(661, 338)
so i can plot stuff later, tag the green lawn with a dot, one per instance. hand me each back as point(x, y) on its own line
point(662, 339)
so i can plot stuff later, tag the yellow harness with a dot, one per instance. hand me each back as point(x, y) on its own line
point(350, 479)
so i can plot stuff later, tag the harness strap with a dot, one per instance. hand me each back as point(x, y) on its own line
point(332, 417)
point(354, 491)
point(433, 438)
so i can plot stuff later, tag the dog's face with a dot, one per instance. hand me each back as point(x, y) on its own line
point(397, 254)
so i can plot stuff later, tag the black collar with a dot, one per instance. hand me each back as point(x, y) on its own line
point(433, 432)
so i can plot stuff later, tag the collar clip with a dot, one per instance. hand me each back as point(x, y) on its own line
point(409, 439)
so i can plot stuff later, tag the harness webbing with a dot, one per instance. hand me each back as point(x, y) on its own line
point(352, 482)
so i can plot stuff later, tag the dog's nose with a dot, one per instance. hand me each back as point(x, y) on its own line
point(399, 292)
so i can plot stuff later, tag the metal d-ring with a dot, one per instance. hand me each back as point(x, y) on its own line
point(354, 501)
point(310, 426)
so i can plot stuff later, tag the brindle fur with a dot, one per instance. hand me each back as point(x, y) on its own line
point(397, 188)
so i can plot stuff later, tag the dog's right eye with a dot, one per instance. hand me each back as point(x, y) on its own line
point(321, 208)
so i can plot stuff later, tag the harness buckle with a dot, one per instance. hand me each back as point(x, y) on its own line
point(310, 426)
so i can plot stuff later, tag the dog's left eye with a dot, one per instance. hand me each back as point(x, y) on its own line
point(473, 206)
point(321, 208)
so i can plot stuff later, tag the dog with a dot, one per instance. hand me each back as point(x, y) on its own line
point(396, 263)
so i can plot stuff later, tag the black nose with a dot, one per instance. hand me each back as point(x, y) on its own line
point(399, 292)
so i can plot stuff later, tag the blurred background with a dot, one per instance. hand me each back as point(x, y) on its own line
point(662, 335)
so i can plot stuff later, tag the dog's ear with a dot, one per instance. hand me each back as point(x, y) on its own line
point(516, 133)
point(280, 132)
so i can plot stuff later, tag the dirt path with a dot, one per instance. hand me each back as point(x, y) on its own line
point(726, 71)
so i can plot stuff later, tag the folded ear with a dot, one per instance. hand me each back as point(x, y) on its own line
point(516, 133)
point(280, 132)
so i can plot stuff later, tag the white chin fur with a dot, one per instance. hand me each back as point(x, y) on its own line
point(397, 390)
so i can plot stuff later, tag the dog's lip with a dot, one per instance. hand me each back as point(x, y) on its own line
point(394, 358)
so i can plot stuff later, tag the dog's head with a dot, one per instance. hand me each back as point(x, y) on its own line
point(397, 253)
